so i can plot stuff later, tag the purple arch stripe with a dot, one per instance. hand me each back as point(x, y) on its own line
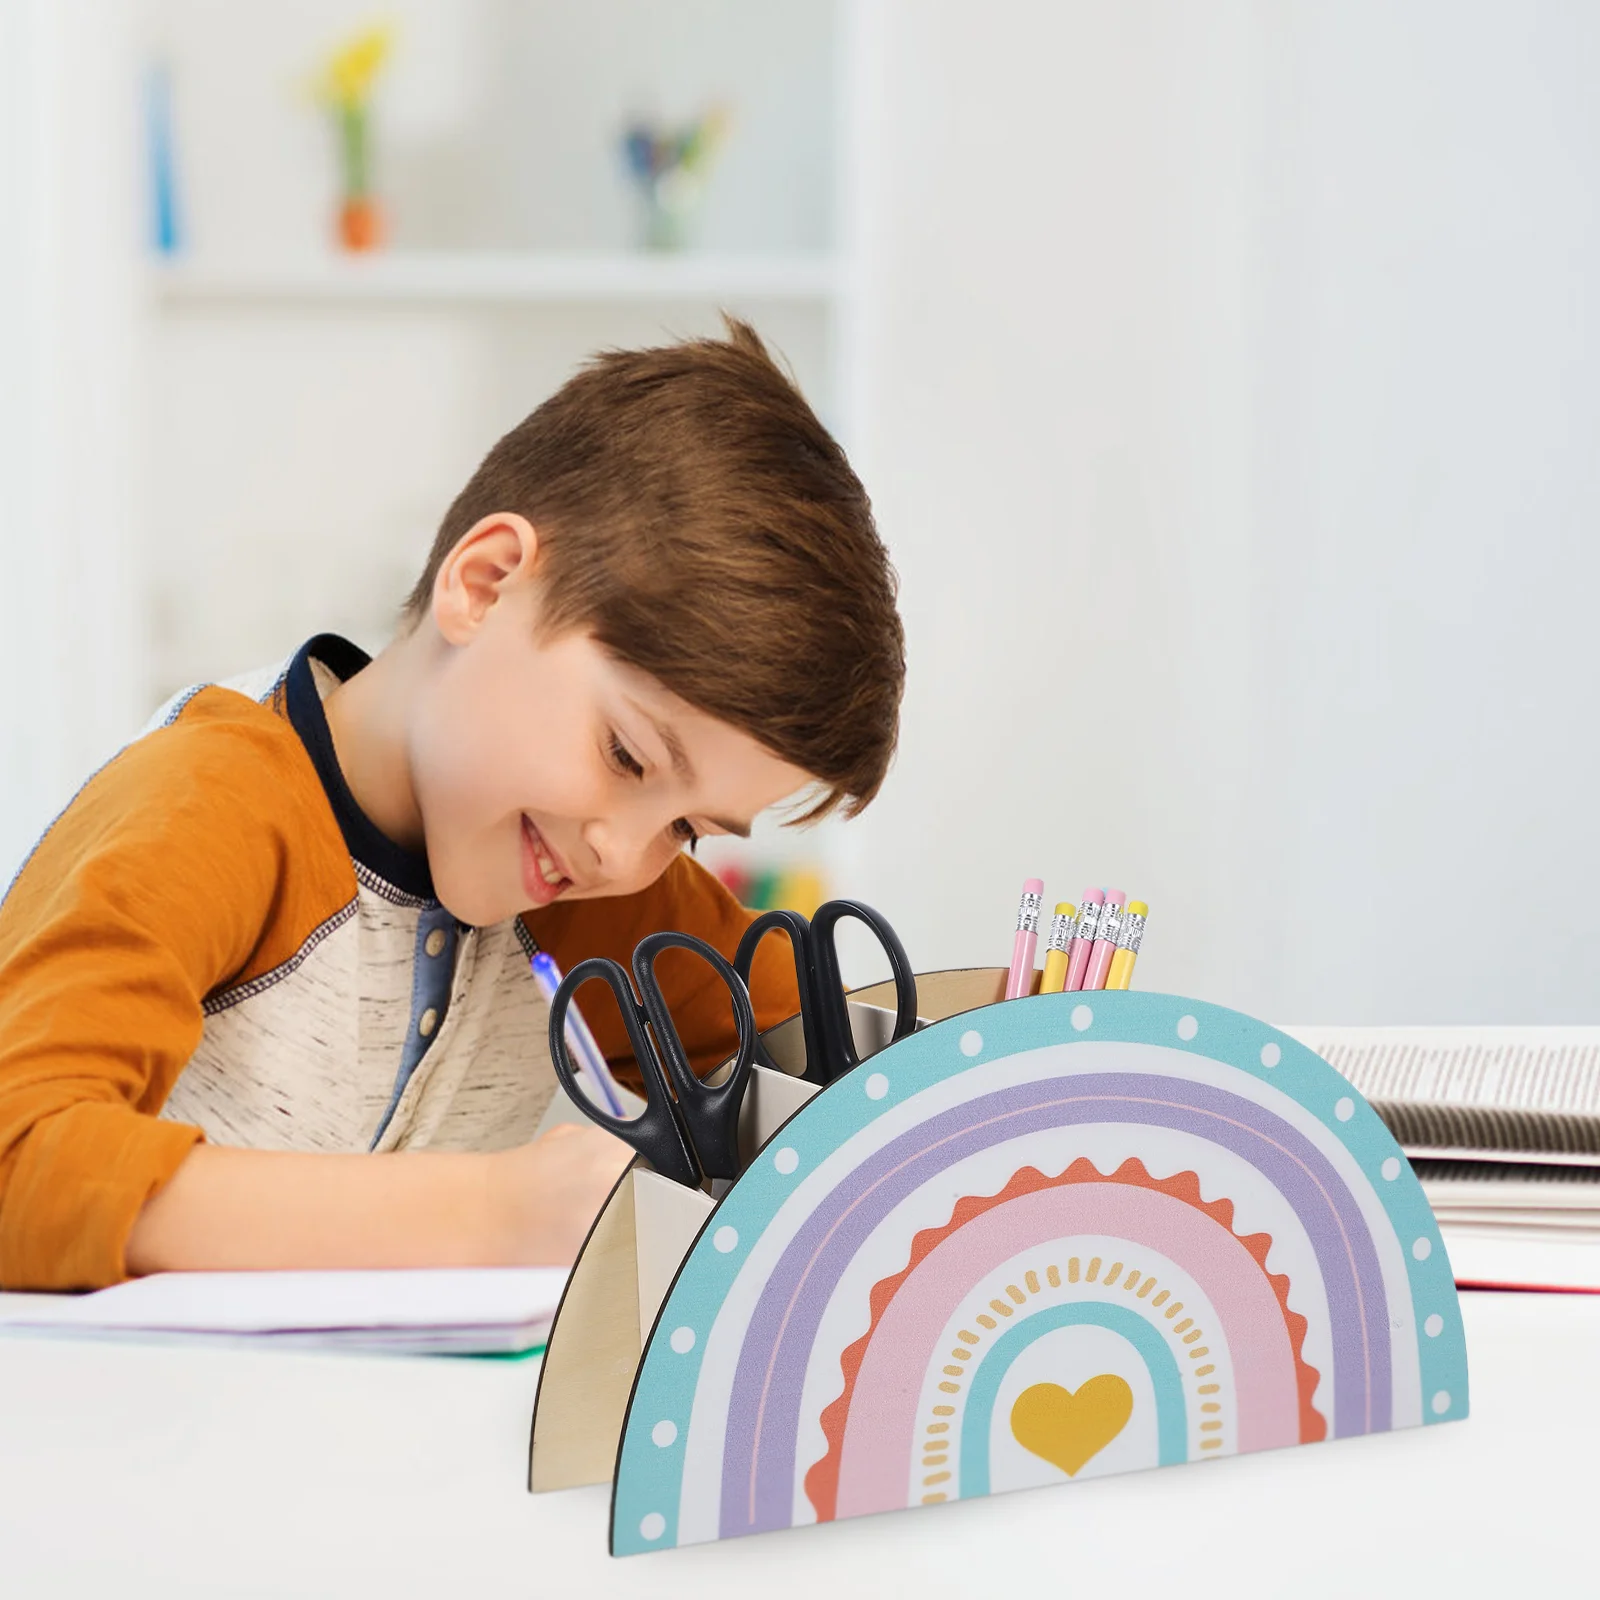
point(764, 1406)
point(881, 1431)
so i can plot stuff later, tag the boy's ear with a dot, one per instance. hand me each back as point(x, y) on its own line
point(493, 552)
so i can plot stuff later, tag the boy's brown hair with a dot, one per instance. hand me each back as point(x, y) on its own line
point(697, 518)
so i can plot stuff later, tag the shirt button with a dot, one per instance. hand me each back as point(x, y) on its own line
point(427, 1022)
point(434, 943)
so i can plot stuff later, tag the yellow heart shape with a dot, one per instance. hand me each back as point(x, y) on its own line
point(1067, 1428)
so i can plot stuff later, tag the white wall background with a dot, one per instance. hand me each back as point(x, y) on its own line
point(1228, 394)
point(1431, 496)
point(71, 644)
point(1235, 373)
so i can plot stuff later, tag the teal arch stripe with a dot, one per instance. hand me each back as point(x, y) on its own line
point(1172, 1431)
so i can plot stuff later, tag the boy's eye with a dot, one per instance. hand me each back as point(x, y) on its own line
point(623, 757)
point(683, 830)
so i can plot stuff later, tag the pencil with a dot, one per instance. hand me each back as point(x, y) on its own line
point(1058, 948)
point(1132, 931)
point(1105, 940)
point(1019, 979)
point(1092, 902)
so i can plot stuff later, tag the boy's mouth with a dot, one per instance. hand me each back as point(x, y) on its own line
point(542, 876)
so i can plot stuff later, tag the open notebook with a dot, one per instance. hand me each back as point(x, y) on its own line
point(453, 1311)
point(1503, 1128)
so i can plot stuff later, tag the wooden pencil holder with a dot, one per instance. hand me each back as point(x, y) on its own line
point(1035, 1241)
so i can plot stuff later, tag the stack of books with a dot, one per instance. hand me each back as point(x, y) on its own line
point(1503, 1128)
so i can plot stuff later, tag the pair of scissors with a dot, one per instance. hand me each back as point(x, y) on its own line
point(688, 1130)
point(824, 1013)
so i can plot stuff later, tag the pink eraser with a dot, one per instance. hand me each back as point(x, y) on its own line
point(1116, 897)
point(1034, 886)
point(1092, 897)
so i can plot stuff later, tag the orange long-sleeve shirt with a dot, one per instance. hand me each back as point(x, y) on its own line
point(213, 942)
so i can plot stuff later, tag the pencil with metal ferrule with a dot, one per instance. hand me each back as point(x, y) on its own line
point(1019, 978)
point(1058, 948)
point(1128, 940)
point(1105, 940)
point(1092, 903)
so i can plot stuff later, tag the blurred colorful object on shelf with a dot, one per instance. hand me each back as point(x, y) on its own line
point(669, 165)
point(166, 234)
point(344, 87)
point(780, 888)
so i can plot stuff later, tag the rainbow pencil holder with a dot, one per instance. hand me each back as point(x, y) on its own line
point(1033, 1242)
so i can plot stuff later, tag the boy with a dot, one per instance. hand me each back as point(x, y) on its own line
point(291, 925)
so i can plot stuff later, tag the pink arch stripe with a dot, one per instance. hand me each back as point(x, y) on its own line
point(880, 1433)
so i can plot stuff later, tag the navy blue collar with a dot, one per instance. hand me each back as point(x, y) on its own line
point(407, 870)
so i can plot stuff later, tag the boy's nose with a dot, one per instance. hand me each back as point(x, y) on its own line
point(623, 847)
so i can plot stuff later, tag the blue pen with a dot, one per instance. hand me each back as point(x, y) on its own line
point(579, 1040)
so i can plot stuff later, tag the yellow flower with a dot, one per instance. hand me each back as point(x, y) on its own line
point(347, 78)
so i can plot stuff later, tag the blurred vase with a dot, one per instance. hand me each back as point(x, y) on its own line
point(360, 223)
point(360, 215)
point(671, 203)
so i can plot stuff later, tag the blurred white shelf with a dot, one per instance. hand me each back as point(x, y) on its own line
point(491, 278)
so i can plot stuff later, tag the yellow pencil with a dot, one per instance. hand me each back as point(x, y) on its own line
point(1128, 937)
point(1055, 960)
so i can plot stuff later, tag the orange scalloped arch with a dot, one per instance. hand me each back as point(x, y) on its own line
point(822, 1481)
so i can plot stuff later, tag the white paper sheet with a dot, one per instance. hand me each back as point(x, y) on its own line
point(461, 1310)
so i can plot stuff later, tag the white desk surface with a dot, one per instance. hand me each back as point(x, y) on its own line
point(130, 1471)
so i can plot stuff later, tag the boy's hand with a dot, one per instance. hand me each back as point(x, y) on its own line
point(551, 1191)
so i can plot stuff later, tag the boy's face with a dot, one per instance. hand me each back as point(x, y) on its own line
point(545, 769)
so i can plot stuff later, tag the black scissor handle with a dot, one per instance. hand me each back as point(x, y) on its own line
point(799, 932)
point(709, 1115)
point(655, 1133)
point(833, 1020)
